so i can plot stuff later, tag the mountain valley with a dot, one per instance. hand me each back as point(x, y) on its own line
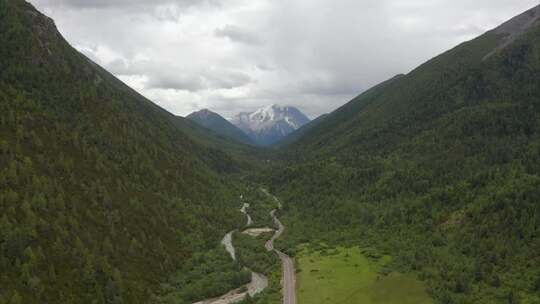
point(423, 189)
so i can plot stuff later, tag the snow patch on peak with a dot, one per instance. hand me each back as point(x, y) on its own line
point(271, 123)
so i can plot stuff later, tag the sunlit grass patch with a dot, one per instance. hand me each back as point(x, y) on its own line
point(345, 275)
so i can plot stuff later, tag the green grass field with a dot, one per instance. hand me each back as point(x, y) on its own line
point(347, 276)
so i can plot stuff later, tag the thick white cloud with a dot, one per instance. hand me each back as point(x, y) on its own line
point(237, 55)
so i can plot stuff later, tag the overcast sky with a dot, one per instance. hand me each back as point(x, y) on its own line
point(238, 55)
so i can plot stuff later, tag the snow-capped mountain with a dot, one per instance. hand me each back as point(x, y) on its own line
point(268, 125)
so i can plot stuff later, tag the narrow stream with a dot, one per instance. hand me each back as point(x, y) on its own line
point(227, 242)
point(244, 211)
point(258, 283)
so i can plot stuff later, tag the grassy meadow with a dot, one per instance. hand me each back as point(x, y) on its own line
point(345, 275)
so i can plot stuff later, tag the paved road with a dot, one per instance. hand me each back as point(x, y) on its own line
point(289, 279)
point(289, 273)
point(280, 228)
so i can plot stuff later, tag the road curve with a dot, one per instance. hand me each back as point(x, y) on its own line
point(289, 273)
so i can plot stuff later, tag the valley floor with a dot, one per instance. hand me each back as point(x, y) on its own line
point(317, 274)
point(259, 282)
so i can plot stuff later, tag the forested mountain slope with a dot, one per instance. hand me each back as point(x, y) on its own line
point(245, 157)
point(102, 193)
point(439, 168)
point(296, 135)
point(219, 125)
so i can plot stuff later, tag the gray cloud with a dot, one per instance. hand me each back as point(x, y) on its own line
point(237, 34)
point(101, 4)
point(183, 82)
point(206, 80)
point(119, 67)
point(237, 55)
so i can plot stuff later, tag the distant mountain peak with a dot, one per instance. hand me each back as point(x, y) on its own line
point(270, 124)
point(202, 113)
point(219, 125)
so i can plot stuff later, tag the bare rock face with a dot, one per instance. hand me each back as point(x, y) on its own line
point(46, 32)
point(520, 24)
point(516, 27)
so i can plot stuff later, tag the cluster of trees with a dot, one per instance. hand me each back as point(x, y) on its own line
point(251, 252)
point(261, 204)
point(204, 275)
point(439, 168)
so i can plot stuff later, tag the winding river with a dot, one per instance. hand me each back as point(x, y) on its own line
point(259, 282)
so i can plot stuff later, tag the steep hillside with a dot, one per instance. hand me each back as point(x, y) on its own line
point(296, 135)
point(219, 125)
point(102, 193)
point(439, 168)
point(447, 83)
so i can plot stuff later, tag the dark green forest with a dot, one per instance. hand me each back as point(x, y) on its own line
point(103, 194)
point(205, 275)
point(107, 198)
